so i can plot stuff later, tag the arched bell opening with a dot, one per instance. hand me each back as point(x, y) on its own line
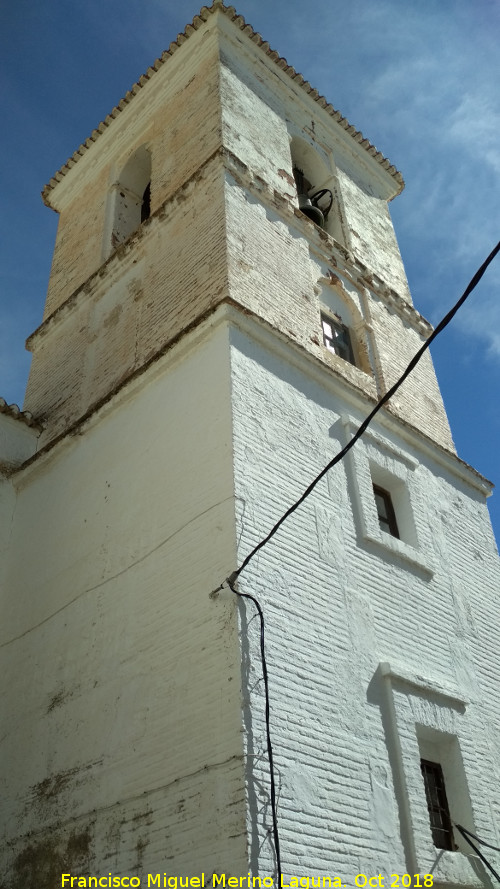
point(316, 188)
point(130, 197)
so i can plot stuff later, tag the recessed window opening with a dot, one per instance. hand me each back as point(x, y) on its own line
point(337, 338)
point(385, 511)
point(392, 503)
point(437, 805)
point(444, 792)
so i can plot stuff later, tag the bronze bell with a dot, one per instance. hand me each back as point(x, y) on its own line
point(315, 198)
point(310, 210)
point(309, 205)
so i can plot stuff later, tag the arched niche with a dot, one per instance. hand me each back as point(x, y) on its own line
point(337, 305)
point(130, 197)
point(312, 170)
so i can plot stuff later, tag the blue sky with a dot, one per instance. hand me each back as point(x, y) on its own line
point(420, 78)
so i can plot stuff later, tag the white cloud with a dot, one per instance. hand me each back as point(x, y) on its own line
point(475, 123)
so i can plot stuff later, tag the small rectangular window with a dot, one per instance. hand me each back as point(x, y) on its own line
point(385, 511)
point(337, 338)
point(437, 805)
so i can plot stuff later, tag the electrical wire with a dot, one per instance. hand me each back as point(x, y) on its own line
point(385, 398)
point(230, 582)
point(466, 834)
point(474, 837)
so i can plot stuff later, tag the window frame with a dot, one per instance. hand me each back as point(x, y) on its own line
point(377, 459)
point(128, 203)
point(437, 805)
point(429, 720)
point(336, 324)
point(389, 518)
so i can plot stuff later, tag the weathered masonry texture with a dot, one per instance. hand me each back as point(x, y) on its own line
point(181, 397)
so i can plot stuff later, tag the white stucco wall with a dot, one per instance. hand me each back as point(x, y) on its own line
point(136, 694)
point(120, 693)
point(340, 598)
point(18, 442)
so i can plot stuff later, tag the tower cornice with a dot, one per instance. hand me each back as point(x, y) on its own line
point(342, 260)
point(241, 318)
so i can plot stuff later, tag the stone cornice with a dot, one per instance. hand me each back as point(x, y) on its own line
point(227, 311)
point(342, 260)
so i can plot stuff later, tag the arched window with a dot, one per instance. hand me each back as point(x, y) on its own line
point(342, 326)
point(130, 198)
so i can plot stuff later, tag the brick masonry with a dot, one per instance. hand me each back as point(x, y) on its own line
point(224, 226)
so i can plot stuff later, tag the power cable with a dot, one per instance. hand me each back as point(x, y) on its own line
point(474, 837)
point(466, 834)
point(268, 730)
point(385, 398)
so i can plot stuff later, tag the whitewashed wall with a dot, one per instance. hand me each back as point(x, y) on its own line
point(120, 693)
point(18, 442)
point(338, 603)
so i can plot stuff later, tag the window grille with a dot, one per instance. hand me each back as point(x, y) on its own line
point(437, 805)
point(337, 338)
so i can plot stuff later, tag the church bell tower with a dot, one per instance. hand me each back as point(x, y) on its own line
point(227, 303)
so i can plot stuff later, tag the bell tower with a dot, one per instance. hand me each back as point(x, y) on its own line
point(227, 302)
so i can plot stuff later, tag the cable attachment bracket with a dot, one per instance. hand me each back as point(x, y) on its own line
point(231, 580)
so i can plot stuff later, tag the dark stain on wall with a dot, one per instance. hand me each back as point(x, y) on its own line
point(40, 865)
point(51, 787)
